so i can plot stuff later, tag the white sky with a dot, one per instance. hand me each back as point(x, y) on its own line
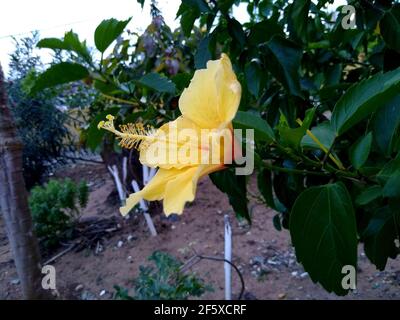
point(54, 17)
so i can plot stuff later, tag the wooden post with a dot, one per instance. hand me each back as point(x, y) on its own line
point(228, 257)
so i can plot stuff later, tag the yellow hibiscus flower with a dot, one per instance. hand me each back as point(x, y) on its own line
point(208, 106)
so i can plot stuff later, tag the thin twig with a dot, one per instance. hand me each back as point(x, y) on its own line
point(191, 262)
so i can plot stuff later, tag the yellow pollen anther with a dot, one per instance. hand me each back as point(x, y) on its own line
point(132, 135)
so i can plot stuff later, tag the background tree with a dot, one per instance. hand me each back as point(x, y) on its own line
point(14, 204)
point(40, 125)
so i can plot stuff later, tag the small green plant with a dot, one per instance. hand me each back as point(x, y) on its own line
point(164, 282)
point(55, 207)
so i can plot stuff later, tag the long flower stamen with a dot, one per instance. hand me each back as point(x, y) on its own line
point(132, 135)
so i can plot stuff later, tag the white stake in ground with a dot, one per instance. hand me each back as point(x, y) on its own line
point(228, 257)
point(121, 193)
point(145, 210)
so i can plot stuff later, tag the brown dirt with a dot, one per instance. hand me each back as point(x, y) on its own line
point(263, 254)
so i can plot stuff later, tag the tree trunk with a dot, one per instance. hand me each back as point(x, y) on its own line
point(14, 205)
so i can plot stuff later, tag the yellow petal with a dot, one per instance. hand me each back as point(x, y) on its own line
point(170, 139)
point(213, 96)
point(182, 189)
point(154, 190)
point(175, 186)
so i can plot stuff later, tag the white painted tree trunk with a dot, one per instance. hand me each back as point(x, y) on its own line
point(228, 257)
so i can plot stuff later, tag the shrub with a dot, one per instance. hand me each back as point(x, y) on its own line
point(55, 207)
point(40, 124)
point(165, 282)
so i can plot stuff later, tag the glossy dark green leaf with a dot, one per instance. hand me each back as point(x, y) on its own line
point(283, 61)
point(236, 32)
point(249, 120)
point(203, 53)
point(200, 5)
point(359, 152)
point(188, 18)
point(276, 220)
point(392, 186)
point(292, 137)
point(263, 31)
point(298, 19)
point(225, 5)
point(108, 31)
point(324, 133)
point(388, 169)
point(380, 236)
point(60, 73)
point(368, 195)
point(364, 98)
point(390, 28)
point(157, 82)
point(235, 187)
point(253, 74)
point(386, 125)
point(181, 80)
point(324, 234)
point(264, 183)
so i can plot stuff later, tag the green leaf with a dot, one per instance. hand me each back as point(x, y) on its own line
point(200, 5)
point(276, 220)
point(263, 31)
point(390, 28)
point(181, 80)
point(157, 82)
point(253, 74)
point(380, 236)
point(249, 120)
point(70, 42)
point(292, 137)
point(324, 134)
point(187, 21)
point(235, 187)
point(60, 73)
point(298, 19)
point(386, 125)
point(107, 31)
point(203, 54)
point(106, 88)
point(189, 11)
point(368, 195)
point(141, 2)
point(94, 136)
point(324, 234)
point(392, 186)
point(283, 61)
point(264, 183)
point(388, 169)
point(225, 5)
point(359, 152)
point(363, 98)
point(52, 43)
point(236, 32)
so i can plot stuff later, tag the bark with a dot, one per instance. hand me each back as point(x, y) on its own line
point(14, 205)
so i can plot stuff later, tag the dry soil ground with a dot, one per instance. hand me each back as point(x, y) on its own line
point(264, 255)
